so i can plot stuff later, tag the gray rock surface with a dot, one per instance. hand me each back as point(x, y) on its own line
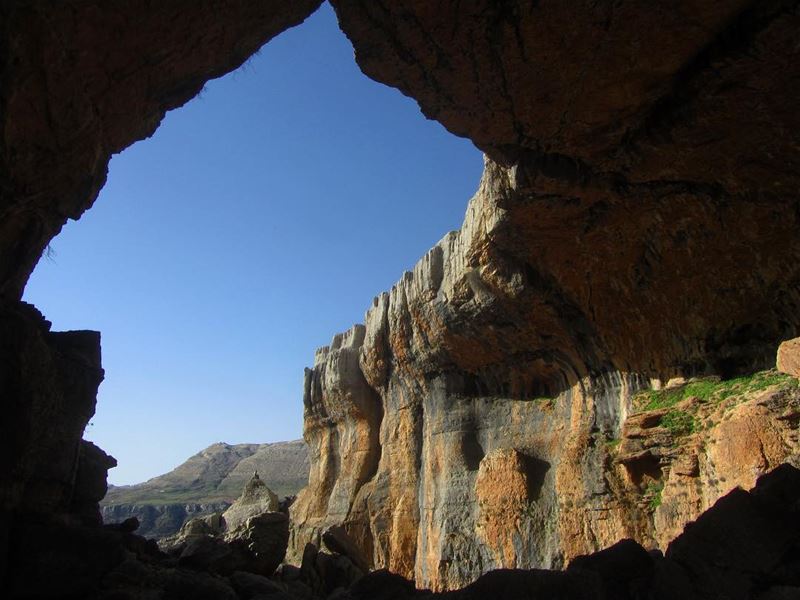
point(251, 536)
point(263, 538)
point(255, 500)
point(160, 520)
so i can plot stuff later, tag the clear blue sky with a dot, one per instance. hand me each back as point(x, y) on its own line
point(259, 220)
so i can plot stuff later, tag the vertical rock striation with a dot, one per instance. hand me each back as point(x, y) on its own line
point(636, 223)
point(342, 419)
point(495, 372)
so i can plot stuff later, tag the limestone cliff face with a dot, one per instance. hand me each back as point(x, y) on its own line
point(342, 419)
point(486, 383)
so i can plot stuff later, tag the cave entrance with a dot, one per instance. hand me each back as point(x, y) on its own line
point(261, 218)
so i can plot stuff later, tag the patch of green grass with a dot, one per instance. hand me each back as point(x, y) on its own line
point(679, 423)
point(613, 443)
point(757, 382)
point(654, 489)
point(712, 389)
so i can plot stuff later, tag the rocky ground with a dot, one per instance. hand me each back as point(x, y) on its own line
point(746, 546)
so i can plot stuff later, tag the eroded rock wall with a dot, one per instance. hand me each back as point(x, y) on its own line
point(637, 221)
point(502, 368)
point(341, 427)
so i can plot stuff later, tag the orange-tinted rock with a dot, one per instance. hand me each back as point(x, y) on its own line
point(341, 428)
point(789, 357)
point(502, 491)
point(743, 547)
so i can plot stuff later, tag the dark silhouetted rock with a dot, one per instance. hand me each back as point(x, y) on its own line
point(743, 541)
point(625, 569)
point(250, 585)
point(383, 585)
point(264, 538)
point(338, 541)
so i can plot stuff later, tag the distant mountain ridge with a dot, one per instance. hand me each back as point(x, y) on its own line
point(207, 482)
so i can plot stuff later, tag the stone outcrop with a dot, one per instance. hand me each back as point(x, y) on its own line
point(251, 535)
point(789, 357)
point(676, 462)
point(478, 352)
point(256, 499)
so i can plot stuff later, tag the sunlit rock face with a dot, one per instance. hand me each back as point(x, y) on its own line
point(637, 221)
point(342, 419)
point(501, 383)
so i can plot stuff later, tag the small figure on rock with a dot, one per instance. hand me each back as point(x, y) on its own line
point(256, 499)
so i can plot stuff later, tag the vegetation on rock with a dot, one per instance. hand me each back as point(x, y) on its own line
point(712, 389)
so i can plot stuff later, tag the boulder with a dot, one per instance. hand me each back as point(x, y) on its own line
point(256, 499)
point(626, 569)
point(129, 525)
point(338, 541)
point(264, 539)
point(208, 553)
point(789, 357)
point(250, 585)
